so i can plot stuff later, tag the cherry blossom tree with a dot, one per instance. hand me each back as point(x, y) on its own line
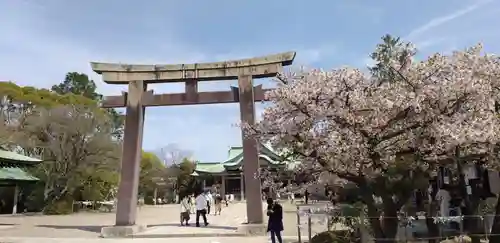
point(386, 133)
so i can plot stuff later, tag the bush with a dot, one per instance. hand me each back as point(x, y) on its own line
point(335, 237)
point(59, 207)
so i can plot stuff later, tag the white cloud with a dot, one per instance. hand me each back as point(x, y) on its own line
point(441, 34)
point(312, 55)
point(430, 42)
point(438, 21)
point(35, 53)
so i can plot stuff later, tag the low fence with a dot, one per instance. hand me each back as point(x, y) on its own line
point(314, 219)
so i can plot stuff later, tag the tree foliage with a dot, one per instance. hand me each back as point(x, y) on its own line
point(76, 148)
point(186, 183)
point(388, 131)
point(391, 51)
point(79, 142)
point(151, 175)
point(80, 84)
point(73, 137)
point(179, 175)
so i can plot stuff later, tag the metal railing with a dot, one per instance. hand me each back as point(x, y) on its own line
point(314, 219)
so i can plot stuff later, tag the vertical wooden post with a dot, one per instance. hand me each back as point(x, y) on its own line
point(250, 152)
point(223, 186)
point(155, 195)
point(16, 199)
point(242, 186)
point(191, 91)
point(309, 225)
point(299, 226)
point(126, 211)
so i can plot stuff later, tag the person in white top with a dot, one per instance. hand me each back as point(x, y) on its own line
point(192, 202)
point(201, 209)
point(185, 210)
point(210, 200)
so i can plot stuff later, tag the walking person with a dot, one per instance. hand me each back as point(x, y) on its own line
point(275, 222)
point(210, 201)
point(201, 209)
point(218, 204)
point(226, 200)
point(306, 195)
point(185, 210)
point(192, 202)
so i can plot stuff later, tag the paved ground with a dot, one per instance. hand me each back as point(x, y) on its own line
point(162, 221)
point(157, 240)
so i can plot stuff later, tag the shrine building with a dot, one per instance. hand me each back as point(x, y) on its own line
point(227, 176)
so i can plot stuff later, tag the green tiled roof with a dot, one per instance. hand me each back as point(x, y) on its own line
point(11, 167)
point(15, 174)
point(210, 168)
point(11, 159)
point(235, 159)
point(234, 152)
point(239, 161)
point(15, 156)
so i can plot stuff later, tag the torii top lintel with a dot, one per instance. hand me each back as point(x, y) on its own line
point(258, 67)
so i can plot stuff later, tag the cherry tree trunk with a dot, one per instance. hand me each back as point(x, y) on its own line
point(384, 228)
point(432, 227)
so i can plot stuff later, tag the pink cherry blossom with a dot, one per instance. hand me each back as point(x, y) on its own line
point(350, 123)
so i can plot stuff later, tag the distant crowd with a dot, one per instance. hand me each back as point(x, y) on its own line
point(201, 204)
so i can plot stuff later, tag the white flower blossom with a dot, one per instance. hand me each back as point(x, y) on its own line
point(348, 124)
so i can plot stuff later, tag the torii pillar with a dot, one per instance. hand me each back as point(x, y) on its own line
point(138, 76)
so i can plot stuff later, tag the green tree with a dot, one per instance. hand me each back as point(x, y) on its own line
point(78, 153)
point(390, 56)
point(152, 172)
point(185, 182)
point(70, 133)
point(80, 84)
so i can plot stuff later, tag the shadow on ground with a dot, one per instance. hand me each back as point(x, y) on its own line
point(97, 228)
point(89, 228)
point(22, 214)
point(193, 225)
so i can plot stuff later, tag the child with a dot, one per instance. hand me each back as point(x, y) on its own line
point(185, 211)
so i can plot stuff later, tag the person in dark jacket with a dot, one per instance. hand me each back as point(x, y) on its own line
point(275, 222)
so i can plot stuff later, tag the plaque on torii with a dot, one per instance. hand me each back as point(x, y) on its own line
point(138, 97)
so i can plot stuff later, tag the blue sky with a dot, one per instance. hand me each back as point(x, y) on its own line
point(42, 40)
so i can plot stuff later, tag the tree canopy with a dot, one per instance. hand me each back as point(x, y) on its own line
point(79, 142)
point(80, 84)
point(387, 131)
point(74, 137)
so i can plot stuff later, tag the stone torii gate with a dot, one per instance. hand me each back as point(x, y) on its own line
point(138, 97)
